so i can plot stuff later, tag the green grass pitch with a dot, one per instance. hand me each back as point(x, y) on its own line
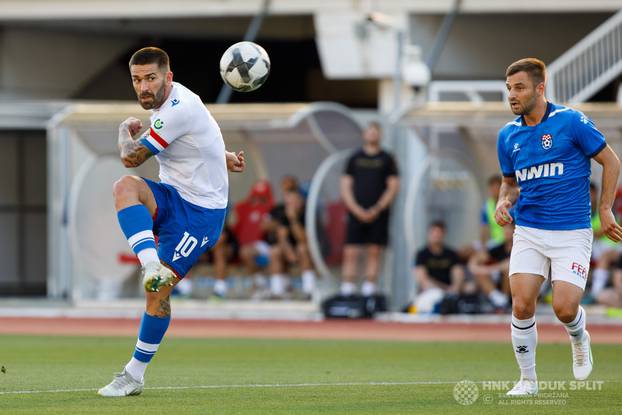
point(209, 376)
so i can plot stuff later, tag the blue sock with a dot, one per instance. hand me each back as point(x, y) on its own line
point(151, 332)
point(137, 226)
point(150, 336)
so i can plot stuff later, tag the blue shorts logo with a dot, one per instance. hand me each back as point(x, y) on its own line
point(185, 246)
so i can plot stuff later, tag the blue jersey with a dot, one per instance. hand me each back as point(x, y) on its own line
point(551, 163)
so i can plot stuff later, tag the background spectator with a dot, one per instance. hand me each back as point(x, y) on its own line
point(291, 248)
point(215, 262)
point(490, 268)
point(437, 270)
point(612, 296)
point(222, 254)
point(491, 234)
point(605, 252)
point(368, 187)
point(252, 224)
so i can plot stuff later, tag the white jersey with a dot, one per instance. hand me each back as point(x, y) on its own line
point(190, 149)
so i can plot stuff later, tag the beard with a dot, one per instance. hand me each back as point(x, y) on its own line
point(153, 100)
point(524, 108)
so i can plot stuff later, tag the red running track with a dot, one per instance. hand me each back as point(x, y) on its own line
point(332, 329)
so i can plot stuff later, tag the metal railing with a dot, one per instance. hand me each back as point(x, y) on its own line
point(589, 65)
point(474, 91)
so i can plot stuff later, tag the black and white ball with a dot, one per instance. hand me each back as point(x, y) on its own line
point(245, 66)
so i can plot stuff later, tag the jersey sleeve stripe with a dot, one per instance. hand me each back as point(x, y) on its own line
point(598, 150)
point(144, 141)
point(158, 139)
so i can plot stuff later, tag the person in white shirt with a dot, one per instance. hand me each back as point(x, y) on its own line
point(186, 209)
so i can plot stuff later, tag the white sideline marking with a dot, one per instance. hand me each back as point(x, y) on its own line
point(241, 386)
point(264, 385)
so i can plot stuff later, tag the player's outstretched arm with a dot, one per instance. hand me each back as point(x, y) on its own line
point(611, 170)
point(133, 153)
point(236, 163)
point(508, 194)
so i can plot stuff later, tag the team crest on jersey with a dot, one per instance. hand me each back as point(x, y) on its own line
point(547, 141)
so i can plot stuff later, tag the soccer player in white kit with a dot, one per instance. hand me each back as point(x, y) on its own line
point(186, 209)
point(545, 156)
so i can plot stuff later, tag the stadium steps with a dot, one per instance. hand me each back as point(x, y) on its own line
point(588, 66)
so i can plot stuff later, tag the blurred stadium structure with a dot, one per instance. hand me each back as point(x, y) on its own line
point(86, 243)
point(64, 88)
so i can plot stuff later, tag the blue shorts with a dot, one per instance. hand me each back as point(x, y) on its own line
point(185, 231)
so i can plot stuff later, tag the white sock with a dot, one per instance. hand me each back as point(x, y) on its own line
point(524, 342)
point(278, 284)
point(308, 281)
point(368, 288)
point(576, 327)
point(148, 255)
point(136, 368)
point(220, 287)
point(599, 280)
point(347, 288)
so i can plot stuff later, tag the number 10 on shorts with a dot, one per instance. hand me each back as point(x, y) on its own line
point(185, 246)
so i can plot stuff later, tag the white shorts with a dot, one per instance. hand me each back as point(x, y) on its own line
point(565, 255)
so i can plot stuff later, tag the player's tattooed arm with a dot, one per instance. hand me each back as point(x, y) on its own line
point(133, 153)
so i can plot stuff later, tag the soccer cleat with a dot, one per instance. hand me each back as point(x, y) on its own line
point(582, 357)
point(524, 387)
point(156, 276)
point(122, 385)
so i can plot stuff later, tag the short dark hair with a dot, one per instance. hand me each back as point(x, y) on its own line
point(494, 179)
point(438, 224)
point(149, 55)
point(534, 67)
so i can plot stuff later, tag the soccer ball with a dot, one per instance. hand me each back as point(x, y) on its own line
point(245, 66)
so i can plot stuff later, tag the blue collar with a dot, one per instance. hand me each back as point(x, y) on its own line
point(549, 107)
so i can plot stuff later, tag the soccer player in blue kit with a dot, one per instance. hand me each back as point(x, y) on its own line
point(186, 208)
point(545, 157)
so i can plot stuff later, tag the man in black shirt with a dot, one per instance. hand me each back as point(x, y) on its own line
point(368, 186)
point(437, 270)
point(290, 245)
